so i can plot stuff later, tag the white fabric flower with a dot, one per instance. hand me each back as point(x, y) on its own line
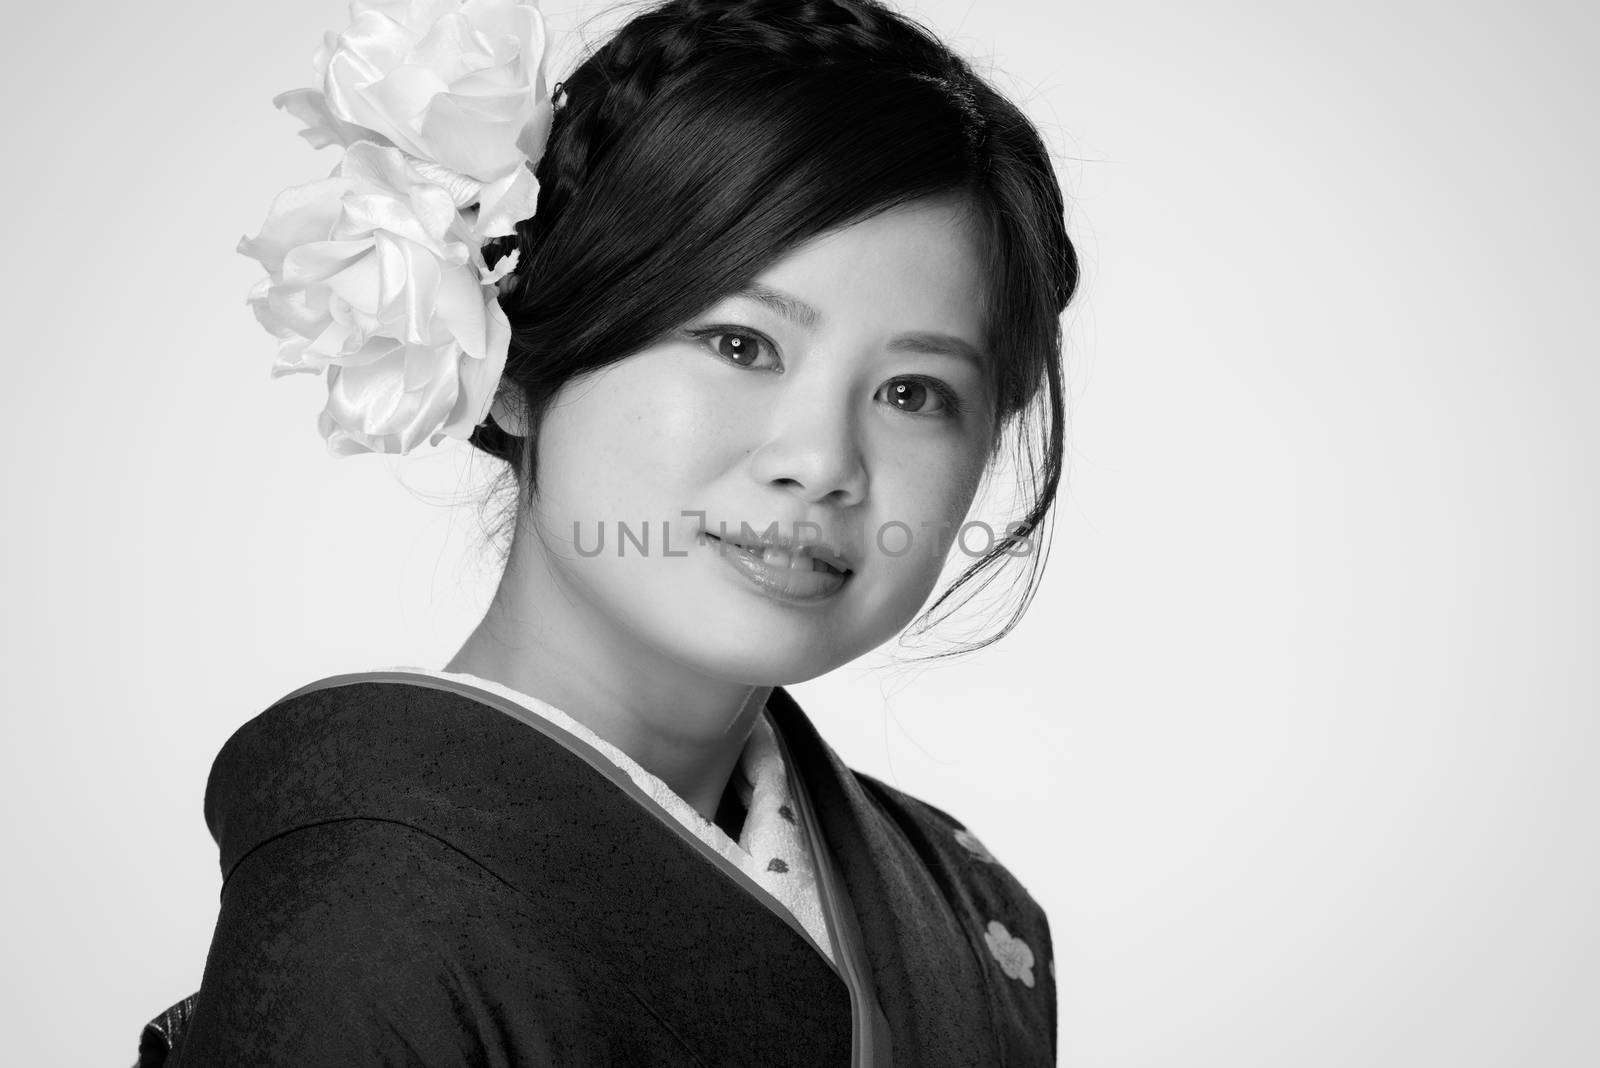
point(374, 276)
point(459, 87)
point(1015, 958)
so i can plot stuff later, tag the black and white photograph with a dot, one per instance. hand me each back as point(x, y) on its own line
point(766, 533)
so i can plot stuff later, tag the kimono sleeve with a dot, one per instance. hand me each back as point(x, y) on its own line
point(342, 944)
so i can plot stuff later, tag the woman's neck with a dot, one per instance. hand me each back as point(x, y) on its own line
point(686, 729)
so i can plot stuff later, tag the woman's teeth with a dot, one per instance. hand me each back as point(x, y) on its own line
point(773, 556)
point(776, 557)
point(800, 561)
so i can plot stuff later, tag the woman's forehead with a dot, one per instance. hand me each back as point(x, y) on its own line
point(925, 258)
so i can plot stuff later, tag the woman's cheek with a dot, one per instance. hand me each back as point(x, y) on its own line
point(699, 411)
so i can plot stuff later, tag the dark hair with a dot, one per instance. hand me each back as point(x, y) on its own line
point(707, 138)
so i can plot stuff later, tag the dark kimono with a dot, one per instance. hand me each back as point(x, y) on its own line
point(418, 872)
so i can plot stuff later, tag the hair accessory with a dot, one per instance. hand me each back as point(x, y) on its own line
point(377, 273)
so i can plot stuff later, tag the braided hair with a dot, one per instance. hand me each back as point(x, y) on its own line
point(707, 138)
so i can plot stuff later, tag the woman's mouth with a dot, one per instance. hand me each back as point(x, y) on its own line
point(778, 556)
point(790, 574)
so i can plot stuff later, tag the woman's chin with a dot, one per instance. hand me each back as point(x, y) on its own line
point(757, 664)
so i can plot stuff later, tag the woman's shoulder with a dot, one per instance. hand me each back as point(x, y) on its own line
point(895, 828)
point(357, 716)
point(335, 723)
point(373, 745)
point(936, 831)
point(973, 878)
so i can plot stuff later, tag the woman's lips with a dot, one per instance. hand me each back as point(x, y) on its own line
point(790, 575)
point(777, 556)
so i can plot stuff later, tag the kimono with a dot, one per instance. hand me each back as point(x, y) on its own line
point(417, 871)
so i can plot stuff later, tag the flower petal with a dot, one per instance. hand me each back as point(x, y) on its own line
point(376, 274)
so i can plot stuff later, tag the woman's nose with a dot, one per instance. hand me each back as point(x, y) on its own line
point(812, 450)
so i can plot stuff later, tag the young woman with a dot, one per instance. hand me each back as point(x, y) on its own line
point(792, 284)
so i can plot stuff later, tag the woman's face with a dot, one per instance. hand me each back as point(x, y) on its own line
point(839, 407)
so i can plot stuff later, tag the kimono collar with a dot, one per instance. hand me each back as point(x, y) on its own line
point(771, 849)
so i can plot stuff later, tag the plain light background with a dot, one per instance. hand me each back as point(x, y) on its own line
point(1297, 745)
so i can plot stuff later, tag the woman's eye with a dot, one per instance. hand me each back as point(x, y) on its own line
point(920, 396)
point(739, 347)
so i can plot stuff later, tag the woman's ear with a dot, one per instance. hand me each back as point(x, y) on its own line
point(508, 414)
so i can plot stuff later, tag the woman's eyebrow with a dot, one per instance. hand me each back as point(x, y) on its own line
point(804, 315)
point(790, 307)
point(937, 344)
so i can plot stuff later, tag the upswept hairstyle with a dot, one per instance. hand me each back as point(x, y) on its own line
point(707, 138)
